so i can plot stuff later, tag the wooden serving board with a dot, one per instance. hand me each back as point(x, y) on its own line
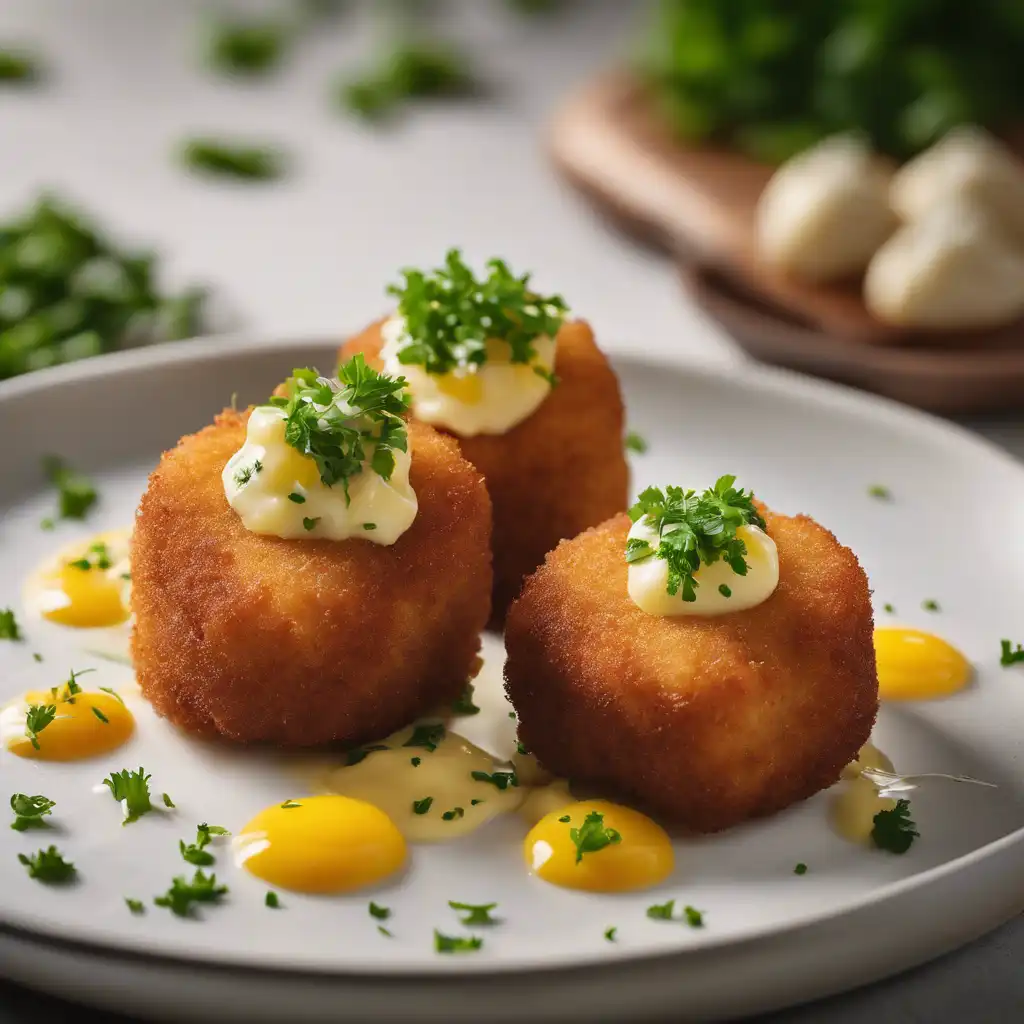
point(700, 202)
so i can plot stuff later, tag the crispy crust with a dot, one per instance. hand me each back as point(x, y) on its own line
point(302, 642)
point(706, 720)
point(558, 472)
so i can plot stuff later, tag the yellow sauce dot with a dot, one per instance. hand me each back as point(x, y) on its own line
point(93, 599)
point(913, 665)
point(321, 844)
point(643, 857)
point(76, 732)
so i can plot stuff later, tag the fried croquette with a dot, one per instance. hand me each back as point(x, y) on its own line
point(558, 472)
point(707, 720)
point(304, 642)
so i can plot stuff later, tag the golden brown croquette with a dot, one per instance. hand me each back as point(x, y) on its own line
point(558, 472)
point(303, 642)
point(706, 720)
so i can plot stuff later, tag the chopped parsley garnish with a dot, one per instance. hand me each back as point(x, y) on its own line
point(464, 704)
point(289, 805)
point(345, 423)
point(196, 853)
point(931, 605)
point(475, 801)
point(512, 715)
point(384, 931)
point(610, 934)
point(75, 491)
point(476, 914)
point(246, 473)
point(358, 754)
point(422, 806)
point(36, 656)
point(633, 442)
point(428, 736)
point(48, 866)
point(725, 590)
point(455, 812)
point(1009, 655)
point(415, 761)
point(67, 693)
point(456, 944)
point(880, 491)
point(694, 917)
point(131, 789)
point(37, 718)
point(135, 906)
point(102, 717)
point(666, 912)
point(29, 811)
point(183, 893)
point(247, 47)
point(9, 628)
point(893, 829)
point(449, 315)
point(113, 693)
point(891, 609)
point(369, 526)
point(18, 66)
point(501, 780)
point(96, 557)
point(565, 819)
point(309, 524)
point(271, 900)
point(694, 530)
point(521, 749)
point(592, 835)
point(800, 869)
point(298, 499)
point(233, 159)
point(381, 913)
point(168, 802)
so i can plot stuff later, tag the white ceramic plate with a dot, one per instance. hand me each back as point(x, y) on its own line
point(771, 937)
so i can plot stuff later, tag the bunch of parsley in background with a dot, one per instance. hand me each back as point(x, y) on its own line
point(67, 292)
point(771, 77)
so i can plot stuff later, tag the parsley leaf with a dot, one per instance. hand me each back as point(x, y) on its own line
point(348, 423)
point(135, 906)
point(930, 605)
point(271, 900)
point(102, 717)
point(661, 911)
point(131, 789)
point(633, 442)
point(29, 811)
point(18, 66)
point(464, 704)
point(891, 609)
point(358, 754)
point(48, 866)
point(880, 491)
point(592, 836)
point(384, 931)
point(381, 913)
point(9, 628)
point(75, 491)
point(309, 524)
point(289, 805)
point(456, 944)
point(500, 780)
point(800, 869)
point(168, 802)
point(1009, 656)
point(246, 473)
point(422, 806)
point(455, 812)
point(449, 315)
point(476, 914)
point(233, 159)
point(195, 854)
point(694, 530)
point(97, 556)
point(694, 917)
point(296, 498)
point(183, 893)
point(37, 718)
point(247, 47)
point(893, 829)
point(428, 736)
point(610, 934)
point(415, 761)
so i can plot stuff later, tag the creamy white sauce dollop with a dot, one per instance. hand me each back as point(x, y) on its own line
point(648, 579)
point(285, 496)
point(487, 399)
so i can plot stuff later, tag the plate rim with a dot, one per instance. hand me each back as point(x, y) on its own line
point(754, 377)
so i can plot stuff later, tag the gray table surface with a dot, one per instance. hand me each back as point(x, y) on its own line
point(310, 255)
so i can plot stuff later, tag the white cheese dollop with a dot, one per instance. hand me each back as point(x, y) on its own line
point(968, 164)
point(378, 510)
point(648, 580)
point(825, 211)
point(952, 268)
point(487, 399)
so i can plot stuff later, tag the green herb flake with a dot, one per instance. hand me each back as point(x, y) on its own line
point(183, 893)
point(37, 718)
point(694, 918)
point(113, 693)
point(610, 934)
point(893, 829)
point(9, 628)
point(422, 806)
point(633, 442)
point(661, 911)
point(475, 801)
point(168, 802)
point(48, 866)
point(1009, 654)
point(242, 161)
point(369, 526)
point(880, 491)
point(565, 819)
point(464, 704)
point(891, 609)
point(298, 499)
point(196, 855)
point(694, 530)
point(521, 749)
point(246, 473)
point(289, 805)
point(249, 47)
point(132, 790)
point(76, 493)
point(99, 714)
point(135, 906)
point(592, 836)
point(449, 315)
point(309, 524)
point(36, 656)
point(271, 900)
point(930, 605)
point(500, 780)
point(475, 914)
point(18, 67)
point(427, 736)
point(800, 869)
point(725, 590)
point(456, 944)
point(455, 812)
point(384, 931)
point(415, 761)
point(359, 754)
point(379, 912)
point(29, 811)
